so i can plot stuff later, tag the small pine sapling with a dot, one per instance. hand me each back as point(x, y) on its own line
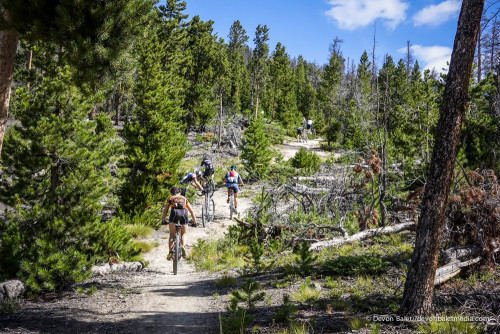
point(248, 294)
point(287, 309)
point(305, 258)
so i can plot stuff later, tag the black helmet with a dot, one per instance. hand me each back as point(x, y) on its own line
point(206, 157)
point(199, 174)
point(233, 167)
point(175, 190)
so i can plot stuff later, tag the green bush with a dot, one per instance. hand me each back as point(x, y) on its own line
point(275, 132)
point(332, 132)
point(354, 265)
point(307, 160)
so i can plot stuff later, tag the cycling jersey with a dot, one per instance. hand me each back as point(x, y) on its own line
point(209, 168)
point(190, 177)
point(299, 130)
point(177, 202)
point(233, 177)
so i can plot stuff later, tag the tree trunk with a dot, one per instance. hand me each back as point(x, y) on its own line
point(118, 103)
point(220, 117)
point(257, 100)
point(479, 58)
point(8, 49)
point(274, 98)
point(419, 285)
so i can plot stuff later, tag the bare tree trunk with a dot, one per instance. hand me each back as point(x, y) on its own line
point(30, 60)
point(419, 285)
point(8, 49)
point(220, 117)
point(479, 57)
point(118, 103)
point(274, 98)
point(257, 91)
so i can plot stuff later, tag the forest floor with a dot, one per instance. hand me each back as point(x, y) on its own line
point(151, 301)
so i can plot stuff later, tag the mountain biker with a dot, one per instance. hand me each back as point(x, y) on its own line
point(231, 180)
point(209, 168)
point(309, 124)
point(179, 214)
point(300, 129)
point(192, 178)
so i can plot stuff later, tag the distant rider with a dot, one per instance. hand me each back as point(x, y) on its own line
point(300, 129)
point(231, 180)
point(309, 124)
point(179, 214)
point(209, 168)
point(192, 178)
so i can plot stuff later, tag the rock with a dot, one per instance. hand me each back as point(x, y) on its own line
point(11, 289)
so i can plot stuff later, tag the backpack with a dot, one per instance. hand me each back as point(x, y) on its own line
point(177, 202)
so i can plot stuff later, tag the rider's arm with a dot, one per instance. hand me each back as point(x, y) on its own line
point(240, 179)
point(197, 185)
point(165, 212)
point(188, 207)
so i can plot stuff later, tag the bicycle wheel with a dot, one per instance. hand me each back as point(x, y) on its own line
point(231, 205)
point(211, 207)
point(177, 251)
point(203, 215)
point(211, 185)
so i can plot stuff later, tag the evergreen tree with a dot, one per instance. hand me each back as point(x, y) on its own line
point(154, 140)
point(256, 148)
point(57, 179)
point(259, 62)
point(238, 72)
point(95, 36)
point(305, 92)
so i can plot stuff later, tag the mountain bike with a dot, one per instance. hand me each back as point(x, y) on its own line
point(304, 136)
point(208, 208)
point(232, 208)
point(176, 257)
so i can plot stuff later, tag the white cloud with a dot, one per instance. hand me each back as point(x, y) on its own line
point(352, 14)
point(433, 57)
point(434, 15)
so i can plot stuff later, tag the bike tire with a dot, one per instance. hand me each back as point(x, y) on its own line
point(231, 206)
point(211, 214)
point(203, 215)
point(177, 252)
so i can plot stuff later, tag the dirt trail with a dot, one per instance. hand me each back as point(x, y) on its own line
point(151, 301)
point(289, 149)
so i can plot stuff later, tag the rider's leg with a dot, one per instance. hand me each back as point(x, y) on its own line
point(183, 234)
point(171, 239)
point(235, 200)
point(228, 194)
point(197, 185)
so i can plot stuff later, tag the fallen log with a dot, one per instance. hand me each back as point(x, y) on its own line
point(454, 255)
point(109, 268)
point(450, 270)
point(11, 289)
point(363, 235)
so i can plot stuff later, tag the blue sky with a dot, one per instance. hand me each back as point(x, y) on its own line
point(308, 27)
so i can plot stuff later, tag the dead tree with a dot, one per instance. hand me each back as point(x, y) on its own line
point(419, 285)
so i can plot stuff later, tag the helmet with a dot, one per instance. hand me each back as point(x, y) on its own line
point(206, 157)
point(175, 190)
point(199, 174)
point(233, 167)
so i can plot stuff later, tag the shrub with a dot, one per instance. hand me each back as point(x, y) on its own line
point(306, 294)
point(354, 265)
point(304, 259)
point(287, 309)
point(225, 281)
point(307, 160)
point(332, 132)
point(275, 132)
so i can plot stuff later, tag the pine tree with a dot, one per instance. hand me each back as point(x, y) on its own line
point(57, 179)
point(256, 148)
point(259, 62)
point(95, 37)
point(238, 71)
point(154, 140)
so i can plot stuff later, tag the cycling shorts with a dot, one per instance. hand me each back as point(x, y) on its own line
point(234, 186)
point(208, 172)
point(299, 132)
point(179, 216)
point(308, 126)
